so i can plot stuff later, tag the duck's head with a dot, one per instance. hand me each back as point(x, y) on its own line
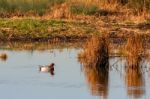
point(52, 64)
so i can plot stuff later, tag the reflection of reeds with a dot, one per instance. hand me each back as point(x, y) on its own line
point(134, 82)
point(134, 50)
point(97, 79)
point(40, 46)
point(95, 63)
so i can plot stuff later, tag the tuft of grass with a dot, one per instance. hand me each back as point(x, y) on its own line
point(3, 56)
point(135, 50)
point(83, 9)
point(95, 52)
point(94, 60)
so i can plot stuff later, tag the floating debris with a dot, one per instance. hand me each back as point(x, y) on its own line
point(3, 56)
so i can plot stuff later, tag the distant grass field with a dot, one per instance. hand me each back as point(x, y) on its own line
point(87, 7)
point(36, 6)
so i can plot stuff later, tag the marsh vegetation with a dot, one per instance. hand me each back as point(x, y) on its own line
point(100, 30)
point(40, 7)
point(35, 20)
point(95, 60)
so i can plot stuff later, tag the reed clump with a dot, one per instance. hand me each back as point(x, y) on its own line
point(83, 9)
point(95, 53)
point(135, 50)
point(95, 63)
point(3, 56)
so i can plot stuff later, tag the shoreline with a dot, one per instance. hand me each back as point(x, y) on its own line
point(65, 30)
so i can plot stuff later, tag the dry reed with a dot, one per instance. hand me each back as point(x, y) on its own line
point(94, 60)
point(95, 52)
point(3, 56)
point(135, 50)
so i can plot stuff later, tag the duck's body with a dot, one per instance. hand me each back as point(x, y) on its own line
point(48, 68)
point(44, 69)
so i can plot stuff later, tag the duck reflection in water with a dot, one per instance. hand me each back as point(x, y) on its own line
point(48, 68)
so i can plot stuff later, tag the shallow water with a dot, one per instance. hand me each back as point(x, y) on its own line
point(20, 77)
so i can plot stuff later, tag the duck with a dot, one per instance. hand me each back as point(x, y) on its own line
point(47, 68)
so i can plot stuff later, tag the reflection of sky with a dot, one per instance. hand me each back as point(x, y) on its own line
point(20, 77)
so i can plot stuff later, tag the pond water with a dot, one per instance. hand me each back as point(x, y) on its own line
point(20, 77)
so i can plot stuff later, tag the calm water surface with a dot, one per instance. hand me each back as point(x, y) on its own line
point(20, 77)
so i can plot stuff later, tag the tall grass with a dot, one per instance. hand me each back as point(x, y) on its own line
point(94, 59)
point(83, 9)
point(135, 50)
point(36, 6)
point(87, 7)
point(95, 52)
point(137, 5)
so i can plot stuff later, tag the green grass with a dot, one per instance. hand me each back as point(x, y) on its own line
point(87, 7)
point(83, 9)
point(36, 6)
point(34, 29)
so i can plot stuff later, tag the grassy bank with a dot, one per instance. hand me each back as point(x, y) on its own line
point(65, 30)
point(43, 30)
point(43, 20)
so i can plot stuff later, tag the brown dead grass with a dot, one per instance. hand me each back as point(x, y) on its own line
point(135, 50)
point(3, 56)
point(95, 53)
point(94, 60)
